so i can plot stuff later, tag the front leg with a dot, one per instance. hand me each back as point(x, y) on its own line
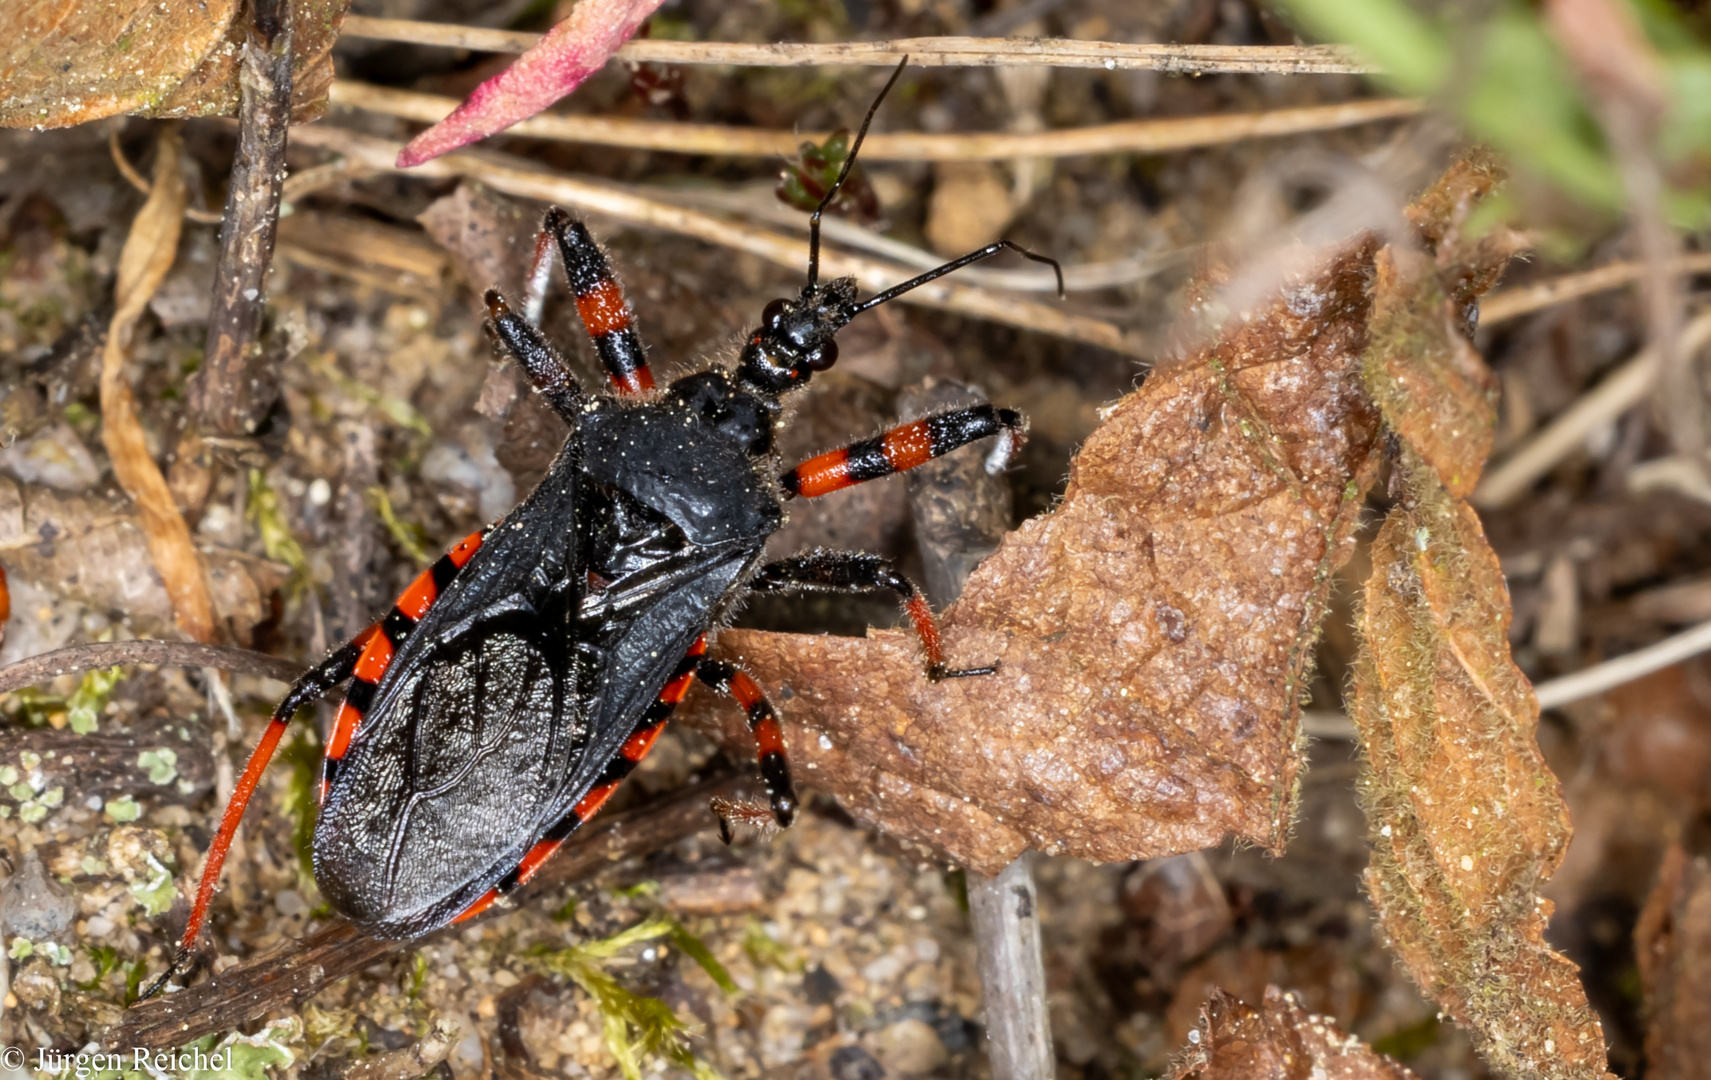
point(906, 446)
point(857, 572)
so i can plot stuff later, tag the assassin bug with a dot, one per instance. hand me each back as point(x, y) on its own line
point(515, 684)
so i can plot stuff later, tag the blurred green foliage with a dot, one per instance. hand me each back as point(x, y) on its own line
point(1504, 76)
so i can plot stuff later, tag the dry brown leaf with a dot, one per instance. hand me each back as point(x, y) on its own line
point(1280, 1041)
point(93, 550)
point(63, 62)
point(1467, 819)
point(212, 89)
point(1155, 629)
point(143, 263)
point(1673, 944)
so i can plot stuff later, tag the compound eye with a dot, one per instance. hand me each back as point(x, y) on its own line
point(773, 313)
point(823, 357)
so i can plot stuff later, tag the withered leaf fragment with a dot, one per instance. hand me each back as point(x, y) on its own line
point(1430, 384)
point(1673, 945)
point(1279, 1041)
point(1467, 819)
point(1154, 630)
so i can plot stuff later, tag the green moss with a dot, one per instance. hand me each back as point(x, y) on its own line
point(635, 1027)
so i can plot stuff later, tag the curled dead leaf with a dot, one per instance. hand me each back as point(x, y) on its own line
point(1278, 1041)
point(1466, 818)
point(1154, 630)
point(143, 264)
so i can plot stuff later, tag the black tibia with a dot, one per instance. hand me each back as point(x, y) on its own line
point(858, 572)
point(545, 367)
point(600, 301)
point(768, 734)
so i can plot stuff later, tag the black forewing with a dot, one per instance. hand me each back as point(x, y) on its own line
point(641, 626)
point(459, 763)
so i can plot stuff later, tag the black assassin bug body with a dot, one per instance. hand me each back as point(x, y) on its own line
point(522, 677)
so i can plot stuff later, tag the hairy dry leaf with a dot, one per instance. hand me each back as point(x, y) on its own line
point(143, 263)
point(1279, 1041)
point(1155, 629)
point(1673, 945)
point(1467, 819)
point(63, 62)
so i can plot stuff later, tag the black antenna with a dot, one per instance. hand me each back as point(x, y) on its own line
point(957, 264)
point(849, 161)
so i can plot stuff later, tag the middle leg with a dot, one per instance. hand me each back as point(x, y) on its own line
point(857, 572)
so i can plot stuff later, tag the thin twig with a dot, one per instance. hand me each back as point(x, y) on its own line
point(106, 654)
point(1513, 303)
point(1128, 137)
point(922, 52)
point(516, 177)
point(1601, 405)
point(226, 395)
point(286, 977)
point(1625, 669)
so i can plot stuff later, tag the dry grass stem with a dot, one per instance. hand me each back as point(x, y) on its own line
point(147, 256)
point(1618, 393)
point(1129, 137)
point(922, 52)
point(527, 181)
point(1513, 303)
point(1625, 668)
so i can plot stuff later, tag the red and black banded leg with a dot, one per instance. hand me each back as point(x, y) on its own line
point(768, 733)
point(310, 686)
point(381, 643)
point(856, 572)
point(906, 446)
point(635, 748)
point(600, 301)
point(543, 364)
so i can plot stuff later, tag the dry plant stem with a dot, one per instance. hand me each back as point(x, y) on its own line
point(922, 52)
point(1130, 137)
point(1618, 393)
point(1626, 668)
point(1005, 911)
point(143, 264)
point(287, 977)
point(515, 177)
point(961, 513)
point(1509, 304)
point(223, 395)
point(106, 654)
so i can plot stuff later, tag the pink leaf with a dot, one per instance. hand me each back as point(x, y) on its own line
point(574, 50)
